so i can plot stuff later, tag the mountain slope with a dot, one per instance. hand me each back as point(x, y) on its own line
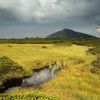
point(68, 33)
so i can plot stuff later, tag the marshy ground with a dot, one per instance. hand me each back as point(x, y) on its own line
point(74, 82)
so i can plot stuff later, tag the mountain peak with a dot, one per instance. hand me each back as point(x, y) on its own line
point(67, 29)
point(69, 33)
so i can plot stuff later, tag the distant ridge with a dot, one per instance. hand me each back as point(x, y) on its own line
point(68, 33)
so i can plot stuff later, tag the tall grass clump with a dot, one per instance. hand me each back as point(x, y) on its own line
point(96, 64)
point(57, 65)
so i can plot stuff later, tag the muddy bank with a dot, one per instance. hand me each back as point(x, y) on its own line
point(9, 83)
point(12, 82)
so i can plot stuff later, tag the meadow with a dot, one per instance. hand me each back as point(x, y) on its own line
point(79, 79)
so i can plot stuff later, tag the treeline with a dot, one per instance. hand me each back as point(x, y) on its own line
point(79, 41)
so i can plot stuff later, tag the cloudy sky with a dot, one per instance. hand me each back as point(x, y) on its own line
point(31, 18)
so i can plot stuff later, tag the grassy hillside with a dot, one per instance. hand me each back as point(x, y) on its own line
point(80, 78)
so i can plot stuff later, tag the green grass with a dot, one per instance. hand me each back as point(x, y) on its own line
point(32, 95)
point(79, 41)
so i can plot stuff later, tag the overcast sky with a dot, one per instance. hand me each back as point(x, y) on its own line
point(31, 18)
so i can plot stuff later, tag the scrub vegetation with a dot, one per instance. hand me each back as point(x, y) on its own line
point(78, 80)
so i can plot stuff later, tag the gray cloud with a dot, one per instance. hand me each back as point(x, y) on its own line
point(98, 29)
point(66, 13)
point(44, 10)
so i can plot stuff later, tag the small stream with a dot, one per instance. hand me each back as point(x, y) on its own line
point(35, 81)
point(38, 78)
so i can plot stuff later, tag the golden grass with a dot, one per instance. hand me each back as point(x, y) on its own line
point(75, 82)
point(33, 55)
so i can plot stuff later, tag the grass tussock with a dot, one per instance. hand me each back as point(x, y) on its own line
point(10, 69)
